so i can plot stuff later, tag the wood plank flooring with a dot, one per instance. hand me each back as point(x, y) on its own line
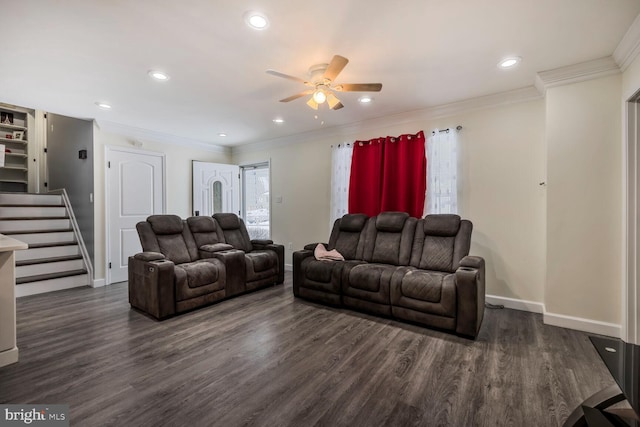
point(268, 359)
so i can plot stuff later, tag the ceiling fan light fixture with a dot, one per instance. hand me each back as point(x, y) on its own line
point(332, 100)
point(319, 96)
point(256, 20)
point(312, 103)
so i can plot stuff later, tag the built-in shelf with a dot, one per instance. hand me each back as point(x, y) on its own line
point(17, 181)
point(15, 141)
point(18, 168)
point(12, 127)
point(16, 155)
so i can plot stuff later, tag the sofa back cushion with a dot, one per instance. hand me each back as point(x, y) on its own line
point(345, 236)
point(441, 241)
point(205, 230)
point(234, 231)
point(389, 238)
point(172, 237)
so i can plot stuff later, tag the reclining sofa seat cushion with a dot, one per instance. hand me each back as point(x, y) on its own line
point(427, 293)
point(207, 235)
point(263, 266)
point(321, 280)
point(193, 277)
point(388, 241)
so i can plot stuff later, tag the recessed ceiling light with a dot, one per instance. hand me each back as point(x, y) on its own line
point(256, 20)
point(365, 99)
point(103, 105)
point(278, 121)
point(222, 134)
point(509, 62)
point(158, 75)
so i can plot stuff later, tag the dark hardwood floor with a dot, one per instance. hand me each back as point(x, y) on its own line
point(267, 359)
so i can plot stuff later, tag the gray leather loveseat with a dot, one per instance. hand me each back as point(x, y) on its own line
point(190, 263)
point(418, 270)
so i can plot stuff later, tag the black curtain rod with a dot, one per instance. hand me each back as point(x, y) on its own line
point(446, 130)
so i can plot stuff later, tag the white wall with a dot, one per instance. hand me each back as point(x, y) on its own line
point(503, 159)
point(178, 164)
point(584, 200)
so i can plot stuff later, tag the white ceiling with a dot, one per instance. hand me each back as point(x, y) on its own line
point(62, 56)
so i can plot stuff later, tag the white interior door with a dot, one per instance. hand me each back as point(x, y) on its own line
point(135, 190)
point(216, 188)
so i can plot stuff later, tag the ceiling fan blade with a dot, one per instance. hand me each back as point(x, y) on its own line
point(297, 95)
point(312, 103)
point(338, 106)
point(359, 87)
point(337, 64)
point(286, 76)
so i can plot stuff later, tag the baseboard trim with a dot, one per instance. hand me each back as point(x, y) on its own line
point(9, 356)
point(560, 320)
point(288, 267)
point(98, 283)
point(516, 304)
point(584, 325)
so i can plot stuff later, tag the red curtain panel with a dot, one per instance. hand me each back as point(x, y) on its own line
point(404, 174)
point(365, 182)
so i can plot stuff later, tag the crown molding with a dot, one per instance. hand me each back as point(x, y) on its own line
point(503, 98)
point(575, 73)
point(629, 47)
point(137, 134)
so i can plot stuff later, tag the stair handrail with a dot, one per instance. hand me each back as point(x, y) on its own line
point(76, 230)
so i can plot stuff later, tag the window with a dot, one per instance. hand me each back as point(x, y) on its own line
point(217, 197)
point(256, 209)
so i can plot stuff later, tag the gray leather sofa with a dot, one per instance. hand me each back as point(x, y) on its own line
point(187, 264)
point(412, 269)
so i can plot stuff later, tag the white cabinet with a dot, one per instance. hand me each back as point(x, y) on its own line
point(14, 135)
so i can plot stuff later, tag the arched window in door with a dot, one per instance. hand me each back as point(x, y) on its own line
point(216, 197)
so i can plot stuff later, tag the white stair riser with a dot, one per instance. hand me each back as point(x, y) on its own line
point(49, 267)
point(35, 224)
point(35, 238)
point(32, 211)
point(38, 253)
point(30, 199)
point(50, 285)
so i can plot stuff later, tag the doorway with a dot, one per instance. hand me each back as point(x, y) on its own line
point(216, 188)
point(135, 189)
point(256, 201)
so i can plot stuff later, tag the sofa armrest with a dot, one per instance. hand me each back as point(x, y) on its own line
point(312, 246)
point(298, 257)
point(149, 256)
point(236, 273)
point(262, 242)
point(151, 286)
point(279, 250)
point(470, 289)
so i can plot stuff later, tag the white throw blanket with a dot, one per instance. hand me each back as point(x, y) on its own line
point(322, 254)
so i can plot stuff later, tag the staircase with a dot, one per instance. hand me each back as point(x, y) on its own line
point(54, 259)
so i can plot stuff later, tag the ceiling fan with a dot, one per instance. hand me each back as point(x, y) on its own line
point(322, 83)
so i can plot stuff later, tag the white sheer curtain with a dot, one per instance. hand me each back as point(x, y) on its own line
point(340, 174)
point(442, 172)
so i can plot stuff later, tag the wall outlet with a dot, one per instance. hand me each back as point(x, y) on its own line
point(290, 246)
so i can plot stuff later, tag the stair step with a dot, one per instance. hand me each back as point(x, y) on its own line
point(51, 266)
point(42, 236)
point(28, 198)
point(55, 230)
point(49, 276)
point(51, 244)
point(32, 212)
point(32, 205)
point(32, 218)
point(43, 252)
point(47, 260)
point(34, 224)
